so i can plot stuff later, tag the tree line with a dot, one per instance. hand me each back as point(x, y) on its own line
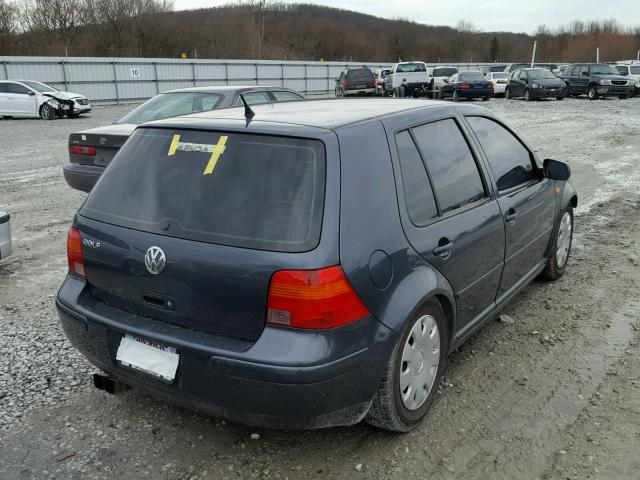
point(258, 29)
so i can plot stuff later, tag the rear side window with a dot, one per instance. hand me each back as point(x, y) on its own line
point(255, 98)
point(16, 89)
point(253, 191)
point(286, 96)
point(453, 170)
point(510, 161)
point(421, 205)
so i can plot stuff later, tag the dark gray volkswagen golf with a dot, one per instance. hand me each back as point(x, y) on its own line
point(313, 264)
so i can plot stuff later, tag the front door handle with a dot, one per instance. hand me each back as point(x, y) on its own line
point(511, 216)
point(444, 249)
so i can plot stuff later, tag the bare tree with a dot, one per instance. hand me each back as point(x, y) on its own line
point(8, 25)
point(59, 20)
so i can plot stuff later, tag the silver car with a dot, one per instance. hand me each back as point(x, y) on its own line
point(5, 235)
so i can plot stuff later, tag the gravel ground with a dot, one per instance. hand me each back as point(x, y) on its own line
point(555, 393)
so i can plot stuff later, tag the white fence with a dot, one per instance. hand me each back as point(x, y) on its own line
point(133, 79)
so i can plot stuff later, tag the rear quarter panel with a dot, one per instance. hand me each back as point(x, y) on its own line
point(391, 278)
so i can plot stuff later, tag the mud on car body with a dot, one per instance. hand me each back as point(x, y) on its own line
point(241, 263)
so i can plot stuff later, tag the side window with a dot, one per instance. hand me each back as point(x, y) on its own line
point(17, 89)
point(417, 190)
point(285, 96)
point(3, 87)
point(256, 98)
point(452, 168)
point(510, 161)
point(584, 70)
point(210, 101)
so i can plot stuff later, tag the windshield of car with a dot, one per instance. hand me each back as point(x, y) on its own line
point(444, 72)
point(500, 76)
point(411, 67)
point(359, 74)
point(471, 76)
point(542, 74)
point(244, 190)
point(635, 70)
point(38, 86)
point(168, 105)
point(603, 70)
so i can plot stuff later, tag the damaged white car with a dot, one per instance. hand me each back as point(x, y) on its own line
point(27, 98)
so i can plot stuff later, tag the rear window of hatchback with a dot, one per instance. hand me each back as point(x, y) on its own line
point(252, 191)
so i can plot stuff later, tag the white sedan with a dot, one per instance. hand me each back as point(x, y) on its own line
point(27, 98)
point(500, 81)
point(5, 235)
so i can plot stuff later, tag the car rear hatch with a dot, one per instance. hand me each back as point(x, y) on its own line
point(359, 79)
point(99, 145)
point(224, 211)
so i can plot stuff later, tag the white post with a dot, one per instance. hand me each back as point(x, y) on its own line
point(638, 57)
point(533, 56)
point(597, 54)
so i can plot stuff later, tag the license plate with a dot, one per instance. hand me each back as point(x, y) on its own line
point(149, 357)
point(104, 157)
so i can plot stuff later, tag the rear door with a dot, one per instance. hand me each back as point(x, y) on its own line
point(226, 209)
point(526, 199)
point(453, 221)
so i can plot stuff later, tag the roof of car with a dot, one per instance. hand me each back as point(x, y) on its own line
point(228, 88)
point(323, 113)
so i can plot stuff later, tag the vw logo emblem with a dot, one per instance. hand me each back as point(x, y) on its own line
point(155, 260)
point(103, 140)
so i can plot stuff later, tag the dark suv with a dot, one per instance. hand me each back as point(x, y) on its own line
point(534, 83)
point(311, 265)
point(596, 80)
point(355, 81)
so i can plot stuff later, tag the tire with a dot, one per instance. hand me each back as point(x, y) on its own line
point(73, 115)
point(527, 95)
point(47, 112)
point(456, 96)
point(7, 117)
point(560, 98)
point(561, 248)
point(388, 409)
point(623, 97)
point(485, 99)
point(440, 94)
point(592, 93)
point(507, 94)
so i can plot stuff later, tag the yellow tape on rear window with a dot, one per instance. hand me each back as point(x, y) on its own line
point(216, 150)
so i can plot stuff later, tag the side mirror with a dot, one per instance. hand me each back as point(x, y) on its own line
point(585, 74)
point(31, 93)
point(555, 170)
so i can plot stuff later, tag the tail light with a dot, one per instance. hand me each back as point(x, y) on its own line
point(490, 85)
point(313, 299)
point(74, 252)
point(345, 83)
point(465, 85)
point(78, 150)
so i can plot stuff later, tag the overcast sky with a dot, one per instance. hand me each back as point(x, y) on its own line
point(487, 15)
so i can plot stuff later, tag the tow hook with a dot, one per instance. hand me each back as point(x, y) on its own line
point(108, 384)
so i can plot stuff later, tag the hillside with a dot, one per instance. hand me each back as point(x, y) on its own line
point(150, 28)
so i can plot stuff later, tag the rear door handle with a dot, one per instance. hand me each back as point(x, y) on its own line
point(443, 251)
point(511, 215)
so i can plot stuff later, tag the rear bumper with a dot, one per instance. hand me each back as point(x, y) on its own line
point(286, 379)
point(81, 177)
point(361, 91)
point(474, 92)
